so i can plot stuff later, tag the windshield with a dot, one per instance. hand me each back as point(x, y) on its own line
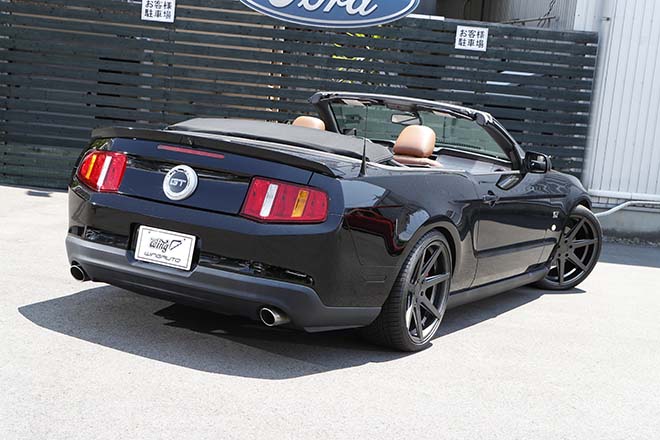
point(385, 124)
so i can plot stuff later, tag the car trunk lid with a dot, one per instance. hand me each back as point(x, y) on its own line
point(224, 166)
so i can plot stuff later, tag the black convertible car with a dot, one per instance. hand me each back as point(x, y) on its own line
point(380, 214)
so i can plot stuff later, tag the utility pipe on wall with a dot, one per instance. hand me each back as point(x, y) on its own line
point(635, 200)
point(624, 206)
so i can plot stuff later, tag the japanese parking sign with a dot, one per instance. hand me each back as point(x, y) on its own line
point(158, 10)
point(472, 38)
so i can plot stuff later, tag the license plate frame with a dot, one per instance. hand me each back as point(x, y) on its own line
point(165, 248)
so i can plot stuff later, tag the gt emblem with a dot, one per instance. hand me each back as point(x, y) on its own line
point(555, 214)
point(180, 183)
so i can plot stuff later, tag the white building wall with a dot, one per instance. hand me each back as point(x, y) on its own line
point(589, 15)
point(623, 154)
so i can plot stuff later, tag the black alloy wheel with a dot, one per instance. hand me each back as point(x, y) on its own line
point(416, 306)
point(577, 252)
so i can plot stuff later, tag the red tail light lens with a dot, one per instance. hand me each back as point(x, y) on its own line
point(271, 201)
point(102, 170)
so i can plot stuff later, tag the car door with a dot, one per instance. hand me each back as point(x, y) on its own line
point(516, 225)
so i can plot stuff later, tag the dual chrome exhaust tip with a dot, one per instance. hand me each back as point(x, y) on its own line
point(272, 317)
point(79, 273)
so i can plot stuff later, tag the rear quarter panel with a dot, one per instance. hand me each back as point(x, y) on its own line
point(388, 211)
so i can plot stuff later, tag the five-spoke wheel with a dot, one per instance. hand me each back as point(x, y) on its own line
point(415, 308)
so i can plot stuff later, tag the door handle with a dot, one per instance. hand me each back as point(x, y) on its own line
point(490, 198)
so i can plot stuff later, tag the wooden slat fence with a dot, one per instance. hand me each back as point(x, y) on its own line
point(68, 66)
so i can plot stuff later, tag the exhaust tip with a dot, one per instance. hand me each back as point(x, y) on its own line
point(78, 273)
point(272, 317)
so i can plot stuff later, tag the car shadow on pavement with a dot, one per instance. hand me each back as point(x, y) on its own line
point(209, 342)
point(489, 308)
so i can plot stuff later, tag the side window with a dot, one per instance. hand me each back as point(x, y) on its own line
point(377, 127)
point(463, 134)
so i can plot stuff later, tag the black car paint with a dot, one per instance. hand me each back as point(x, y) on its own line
point(490, 241)
point(350, 261)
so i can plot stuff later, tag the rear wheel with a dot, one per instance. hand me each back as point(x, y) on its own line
point(414, 310)
point(577, 252)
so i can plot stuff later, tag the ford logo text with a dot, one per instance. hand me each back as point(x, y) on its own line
point(335, 13)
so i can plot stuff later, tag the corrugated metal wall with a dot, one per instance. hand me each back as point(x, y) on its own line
point(624, 151)
point(505, 10)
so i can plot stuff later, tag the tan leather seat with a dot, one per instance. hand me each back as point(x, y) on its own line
point(415, 147)
point(309, 122)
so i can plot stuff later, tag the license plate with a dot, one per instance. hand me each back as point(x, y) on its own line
point(166, 248)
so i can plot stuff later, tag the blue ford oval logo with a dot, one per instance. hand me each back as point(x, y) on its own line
point(335, 13)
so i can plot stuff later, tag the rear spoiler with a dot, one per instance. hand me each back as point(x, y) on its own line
point(213, 142)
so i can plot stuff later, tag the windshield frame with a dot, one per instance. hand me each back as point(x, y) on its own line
point(323, 102)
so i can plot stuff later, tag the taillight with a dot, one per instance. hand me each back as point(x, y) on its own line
point(271, 201)
point(102, 170)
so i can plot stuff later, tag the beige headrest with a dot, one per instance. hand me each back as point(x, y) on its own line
point(309, 122)
point(416, 141)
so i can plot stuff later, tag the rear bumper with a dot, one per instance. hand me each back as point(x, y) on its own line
point(323, 255)
point(223, 291)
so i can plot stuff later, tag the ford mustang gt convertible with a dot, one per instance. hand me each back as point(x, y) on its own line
point(380, 213)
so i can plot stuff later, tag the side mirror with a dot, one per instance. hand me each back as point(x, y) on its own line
point(537, 163)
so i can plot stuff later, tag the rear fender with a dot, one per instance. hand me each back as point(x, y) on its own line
point(448, 229)
point(464, 263)
point(387, 220)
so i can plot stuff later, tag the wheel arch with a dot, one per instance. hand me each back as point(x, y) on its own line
point(448, 230)
point(582, 201)
point(571, 203)
point(450, 240)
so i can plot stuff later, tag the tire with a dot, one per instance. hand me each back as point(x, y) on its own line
point(397, 325)
point(577, 252)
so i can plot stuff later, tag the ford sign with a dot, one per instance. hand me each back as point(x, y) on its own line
point(335, 13)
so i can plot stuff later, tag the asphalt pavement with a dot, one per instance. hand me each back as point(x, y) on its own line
point(89, 361)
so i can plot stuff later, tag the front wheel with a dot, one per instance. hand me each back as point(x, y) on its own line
point(418, 301)
point(576, 253)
